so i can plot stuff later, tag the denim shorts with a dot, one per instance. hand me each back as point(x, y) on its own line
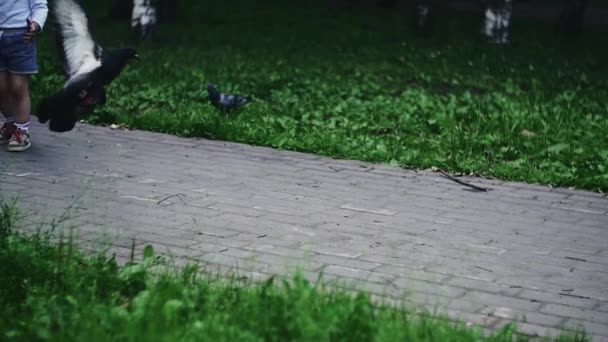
point(16, 55)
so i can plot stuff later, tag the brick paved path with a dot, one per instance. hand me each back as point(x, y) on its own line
point(518, 251)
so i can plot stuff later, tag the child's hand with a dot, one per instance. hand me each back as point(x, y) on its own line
point(32, 29)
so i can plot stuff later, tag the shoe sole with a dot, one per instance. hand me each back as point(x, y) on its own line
point(19, 148)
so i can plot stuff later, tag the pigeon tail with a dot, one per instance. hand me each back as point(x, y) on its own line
point(242, 100)
point(51, 105)
point(61, 125)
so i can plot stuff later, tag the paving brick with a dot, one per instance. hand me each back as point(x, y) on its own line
point(325, 259)
point(539, 283)
point(334, 250)
point(10, 187)
point(590, 328)
point(206, 231)
point(521, 316)
point(292, 219)
point(599, 201)
point(268, 247)
point(484, 286)
point(277, 264)
point(122, 254)
point(172, 241)
point(207, 247)
point(536, 330)
point(233, 262)
point(412, 273)
point(427, 303)
point(501, 301)
point(245, 211)
point(597, 221)
point(596, 338)
point(402, 258)
point(470, 320)
point(573, 261)
point(557, 298)
point(462, 269)
point(434, 288)
point(576, 313)
point(266, 239)
point(377, 211)
point(355, 273)
point(101, 242)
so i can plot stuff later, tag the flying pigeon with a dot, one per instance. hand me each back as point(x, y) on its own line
point(144, 17)
point(225, 102)
point(87, 69)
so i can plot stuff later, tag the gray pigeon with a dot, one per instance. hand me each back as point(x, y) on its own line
point(225, 102)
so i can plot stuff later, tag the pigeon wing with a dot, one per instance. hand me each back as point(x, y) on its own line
point(227, 100)
point(80, 54)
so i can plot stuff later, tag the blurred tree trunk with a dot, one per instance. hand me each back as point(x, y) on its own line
point(386, 3)
point(571, 17)
point(337, 6)
point(497, 19)
point(144, 18)
point(424, 12)
point(121, 10)
point(167, 10)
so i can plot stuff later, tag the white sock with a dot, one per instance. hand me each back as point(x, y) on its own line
point(24, 127)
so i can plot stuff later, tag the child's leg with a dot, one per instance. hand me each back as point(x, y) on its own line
point(7, 127)
point(19, 62)
point(3, 91)
point(19, 102)
point(3, 88)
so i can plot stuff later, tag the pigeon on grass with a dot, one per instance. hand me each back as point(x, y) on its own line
point(225, 102)
point(88, 69)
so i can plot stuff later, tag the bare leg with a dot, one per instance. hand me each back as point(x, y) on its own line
point(6, 127)
point(20, 106)
point(19, 98)
point(4, 93)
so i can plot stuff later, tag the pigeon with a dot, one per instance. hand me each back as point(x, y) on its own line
point(86, 66)
point(225, 102)
point(143, 18)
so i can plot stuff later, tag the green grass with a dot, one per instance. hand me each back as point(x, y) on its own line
point(52, 292)
point(359, 84)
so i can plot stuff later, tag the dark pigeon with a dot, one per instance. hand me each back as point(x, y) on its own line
point(225, 102)
point(88, 69)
